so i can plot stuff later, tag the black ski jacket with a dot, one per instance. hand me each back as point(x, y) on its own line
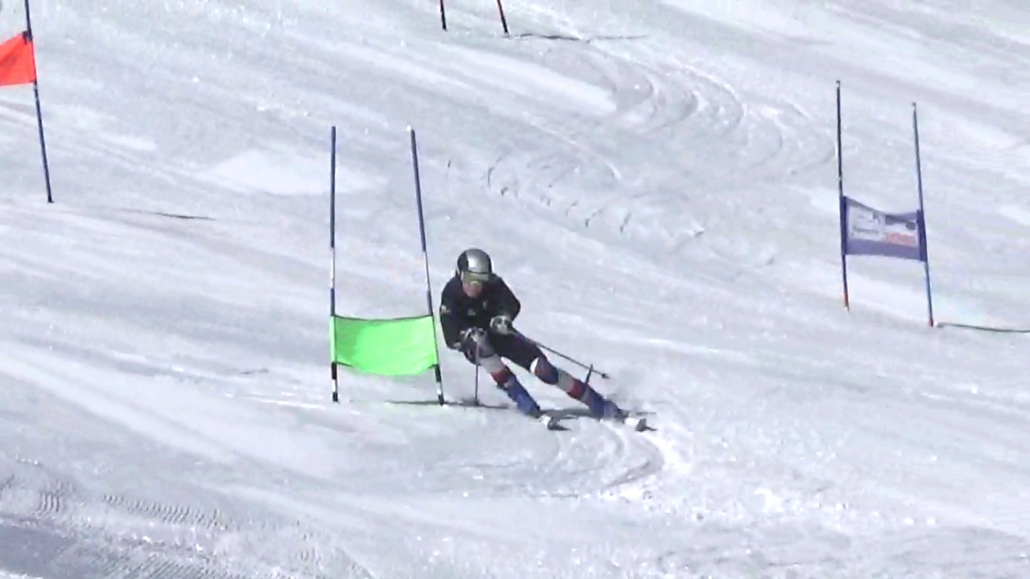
point(459, 312)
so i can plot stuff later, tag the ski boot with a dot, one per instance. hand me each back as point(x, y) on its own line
point(518, 394)
point(603, 409)
point(600, 407)
point(525, 403)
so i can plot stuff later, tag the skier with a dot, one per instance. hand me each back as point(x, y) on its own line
point(476, 312)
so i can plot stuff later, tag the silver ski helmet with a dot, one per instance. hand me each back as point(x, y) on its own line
point(474, 265)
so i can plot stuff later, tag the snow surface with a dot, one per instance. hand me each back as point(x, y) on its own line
point(657, 181)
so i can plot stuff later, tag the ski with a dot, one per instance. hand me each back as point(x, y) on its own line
point(550, 422)
point(637, 423)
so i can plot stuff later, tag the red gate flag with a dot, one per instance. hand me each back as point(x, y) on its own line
point(17, 61)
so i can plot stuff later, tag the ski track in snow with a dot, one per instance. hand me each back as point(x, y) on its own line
point(656, 180)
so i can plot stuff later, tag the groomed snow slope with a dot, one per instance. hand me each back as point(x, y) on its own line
point(655, 179)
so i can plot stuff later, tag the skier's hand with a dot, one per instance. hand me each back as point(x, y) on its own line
point(472, 335)
point(501, 324)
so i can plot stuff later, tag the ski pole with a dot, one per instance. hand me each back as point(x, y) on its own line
point(475, 395)
point(588, 367)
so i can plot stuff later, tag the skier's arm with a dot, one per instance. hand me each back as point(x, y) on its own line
point(508, 304)
point(451, 324)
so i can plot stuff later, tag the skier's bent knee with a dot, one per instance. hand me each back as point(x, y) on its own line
point(548, 373)
point(544, 370)
point(493, 364)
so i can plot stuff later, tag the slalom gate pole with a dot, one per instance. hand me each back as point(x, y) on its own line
point(922, 218)
point(332, 253)
point(39, 110)
point(425, 260)
point(504, 21)
point(843, 207)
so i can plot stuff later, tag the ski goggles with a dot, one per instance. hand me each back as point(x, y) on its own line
point(474, 277)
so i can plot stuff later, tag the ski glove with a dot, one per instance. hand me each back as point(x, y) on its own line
point(501, 324)
point(466, 335)
point(472, 340)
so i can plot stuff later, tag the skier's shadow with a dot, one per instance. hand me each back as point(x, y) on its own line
point(563, 414)
point(462, 403)
point(558, 415)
